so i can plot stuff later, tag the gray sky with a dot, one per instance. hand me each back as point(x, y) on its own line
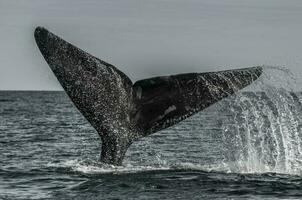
point(149, 38)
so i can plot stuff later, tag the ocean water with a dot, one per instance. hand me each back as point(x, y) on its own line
point(247, 146)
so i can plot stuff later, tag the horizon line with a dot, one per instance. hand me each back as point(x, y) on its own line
point(31, 90)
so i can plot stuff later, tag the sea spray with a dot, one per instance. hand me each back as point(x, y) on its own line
point(262, 132)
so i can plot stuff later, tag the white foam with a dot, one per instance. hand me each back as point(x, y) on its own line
point(93, 167)
point(100, 168)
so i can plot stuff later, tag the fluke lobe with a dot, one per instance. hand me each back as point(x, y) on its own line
point(123, 112)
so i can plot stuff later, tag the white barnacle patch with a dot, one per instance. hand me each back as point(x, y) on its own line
point(170, 109)
point(167, 111)
point(187, 108)
point(78, 82)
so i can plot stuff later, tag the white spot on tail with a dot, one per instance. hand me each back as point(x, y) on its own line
point(139, 92)
point(167, 111)
point(170, 109)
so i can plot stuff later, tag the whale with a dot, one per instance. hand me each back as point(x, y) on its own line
point(123, 112)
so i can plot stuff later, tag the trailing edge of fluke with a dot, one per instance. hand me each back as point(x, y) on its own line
point(122, 112)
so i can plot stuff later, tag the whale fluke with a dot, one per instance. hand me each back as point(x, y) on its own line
point(122, 112)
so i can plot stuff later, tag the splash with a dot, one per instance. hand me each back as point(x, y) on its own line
point(262, 132)
point(92, 167)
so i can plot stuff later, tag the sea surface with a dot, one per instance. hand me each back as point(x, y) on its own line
point(247, 146)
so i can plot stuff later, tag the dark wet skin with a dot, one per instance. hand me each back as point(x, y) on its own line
point(123, 112)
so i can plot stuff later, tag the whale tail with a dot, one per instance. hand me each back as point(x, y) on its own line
point(121, 111)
